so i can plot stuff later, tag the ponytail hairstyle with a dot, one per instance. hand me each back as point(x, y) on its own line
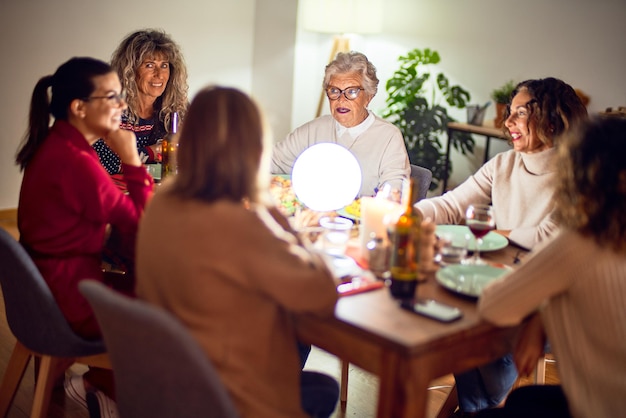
point(72, 80)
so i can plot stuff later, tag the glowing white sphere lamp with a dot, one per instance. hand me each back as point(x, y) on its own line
point(326, 177)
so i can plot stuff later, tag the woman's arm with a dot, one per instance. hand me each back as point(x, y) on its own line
point(545, 273)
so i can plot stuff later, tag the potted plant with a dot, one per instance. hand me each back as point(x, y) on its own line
point(501, 96)
point(414, 106)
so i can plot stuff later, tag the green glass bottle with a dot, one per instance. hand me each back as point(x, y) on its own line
point(168, 150)
point(405, 236)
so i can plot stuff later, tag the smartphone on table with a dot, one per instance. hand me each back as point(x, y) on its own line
point(432, 309)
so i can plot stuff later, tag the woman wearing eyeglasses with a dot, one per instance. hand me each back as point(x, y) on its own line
point(154, 76)
point(70, 209)
point(350, 83)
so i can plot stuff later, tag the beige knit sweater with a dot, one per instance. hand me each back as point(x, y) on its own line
point(518, 185)
point(234, 277)
point(580, 290)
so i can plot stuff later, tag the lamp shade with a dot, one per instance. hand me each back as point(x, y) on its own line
point(341, 16)
point(326, 177)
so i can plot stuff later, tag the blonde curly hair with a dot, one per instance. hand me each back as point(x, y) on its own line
point(129, 55)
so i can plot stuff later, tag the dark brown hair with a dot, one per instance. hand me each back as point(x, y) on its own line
point(72, 80)
point(554, 107)
point(591, 192)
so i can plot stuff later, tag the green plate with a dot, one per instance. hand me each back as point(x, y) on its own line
point(491, 242)
point(468, 280)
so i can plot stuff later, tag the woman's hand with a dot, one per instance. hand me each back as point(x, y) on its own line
point(530, 346)
point(124, 144)
point(156, 151)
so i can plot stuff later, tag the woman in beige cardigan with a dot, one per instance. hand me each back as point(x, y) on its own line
point(216, 254)
point(575, 287)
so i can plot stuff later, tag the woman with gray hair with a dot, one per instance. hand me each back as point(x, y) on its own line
point(153, 73)
point(350, 83)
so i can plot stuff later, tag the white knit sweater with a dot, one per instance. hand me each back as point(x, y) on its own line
point(377, 145)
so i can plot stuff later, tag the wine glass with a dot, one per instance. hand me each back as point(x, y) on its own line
point(480, 220)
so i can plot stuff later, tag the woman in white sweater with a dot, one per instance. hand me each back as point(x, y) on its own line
point(350, 84)
point(577, 283)
point(519, 184)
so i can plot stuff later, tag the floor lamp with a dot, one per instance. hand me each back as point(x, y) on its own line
point(341, 43)
point(340, 17)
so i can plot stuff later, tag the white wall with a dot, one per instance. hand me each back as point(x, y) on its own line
point(482, 44)
point(224, 42)
point(250, 44)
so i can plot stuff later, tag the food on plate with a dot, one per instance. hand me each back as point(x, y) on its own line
point(283, 194)
point(354, 208)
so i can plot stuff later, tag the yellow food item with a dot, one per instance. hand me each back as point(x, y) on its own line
point(354, 208)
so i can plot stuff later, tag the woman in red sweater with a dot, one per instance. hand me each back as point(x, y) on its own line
point(70, 212)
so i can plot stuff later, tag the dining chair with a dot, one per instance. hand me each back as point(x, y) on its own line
point(451, 402)
point(160, 370)
point(40, 328)
point(423, 177)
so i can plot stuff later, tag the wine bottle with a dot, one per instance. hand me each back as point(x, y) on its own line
point(168, 149)
point(405, 236)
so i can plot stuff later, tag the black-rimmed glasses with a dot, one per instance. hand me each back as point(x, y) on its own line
point(118, 98)
point(349, 93)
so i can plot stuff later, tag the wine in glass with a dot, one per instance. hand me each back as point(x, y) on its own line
point(480, 220)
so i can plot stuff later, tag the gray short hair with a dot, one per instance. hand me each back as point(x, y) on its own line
point(353, 62)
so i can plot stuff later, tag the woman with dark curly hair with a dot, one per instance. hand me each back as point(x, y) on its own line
point(519, 184)
point(575, 287)
point(153, 73)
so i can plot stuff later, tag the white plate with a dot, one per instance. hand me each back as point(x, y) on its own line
point(468, 280)
point(491, 242)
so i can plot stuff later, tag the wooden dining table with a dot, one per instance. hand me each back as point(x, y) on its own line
point(407, 351)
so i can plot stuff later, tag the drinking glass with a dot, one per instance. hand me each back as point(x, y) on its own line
point(336, 234)
point(452, 248)
point(480, 220)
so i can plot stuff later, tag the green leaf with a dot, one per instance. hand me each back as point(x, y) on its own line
point(411, 106)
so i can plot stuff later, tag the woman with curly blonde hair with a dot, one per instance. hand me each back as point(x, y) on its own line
point(153, 73)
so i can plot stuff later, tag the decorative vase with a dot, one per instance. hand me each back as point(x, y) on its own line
point(499, 119)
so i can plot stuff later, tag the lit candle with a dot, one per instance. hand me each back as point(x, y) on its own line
point(376, 214)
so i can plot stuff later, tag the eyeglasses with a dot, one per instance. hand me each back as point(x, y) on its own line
point(111, 97)
point(349, 93)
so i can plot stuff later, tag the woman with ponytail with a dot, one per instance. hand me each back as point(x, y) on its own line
point(70, 212)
